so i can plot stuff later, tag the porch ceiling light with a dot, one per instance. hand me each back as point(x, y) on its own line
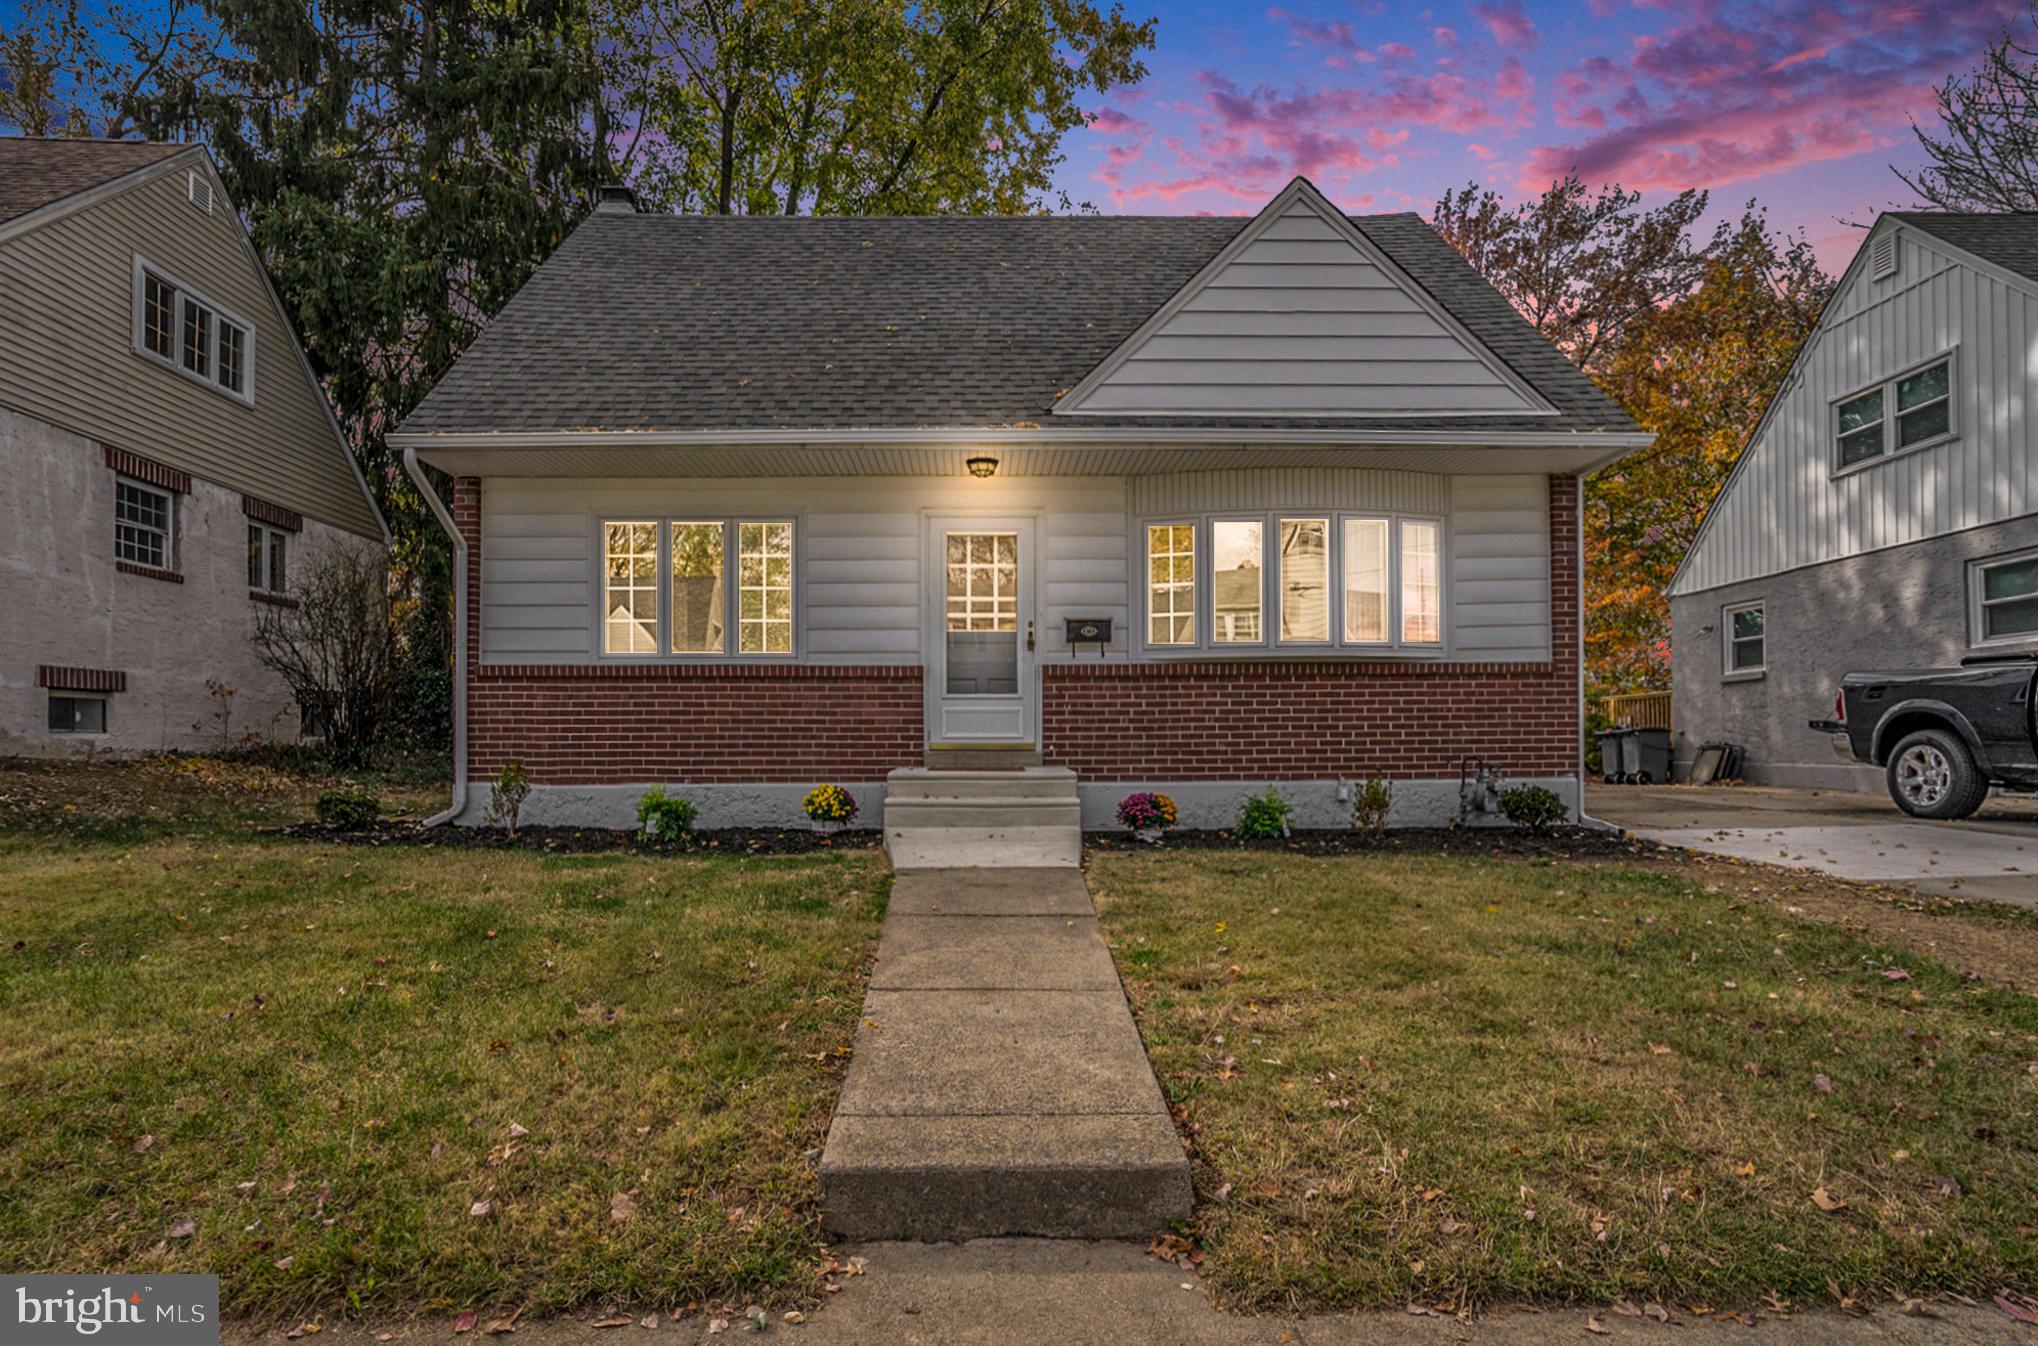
point(982, 466)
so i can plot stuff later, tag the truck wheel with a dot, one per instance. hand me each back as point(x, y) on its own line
point(1932, 775)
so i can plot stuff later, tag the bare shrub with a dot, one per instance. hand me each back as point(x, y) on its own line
point(335, 646)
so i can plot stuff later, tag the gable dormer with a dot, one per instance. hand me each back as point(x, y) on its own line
point(1301, 315)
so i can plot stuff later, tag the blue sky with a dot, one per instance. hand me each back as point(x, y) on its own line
point(1802, 104)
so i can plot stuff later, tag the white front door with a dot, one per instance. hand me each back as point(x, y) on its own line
point(979, 630)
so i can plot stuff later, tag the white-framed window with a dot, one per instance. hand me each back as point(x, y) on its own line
point(2003, 599)
point(668, 587)
point(144, 524)
point(1171, 584)
point(1238, 591)
point(630, 588)
point(181, 329)
point(1908, 411)
point(268, 559)
point(72, 714)
point(1742, 638)
point(1295, 580)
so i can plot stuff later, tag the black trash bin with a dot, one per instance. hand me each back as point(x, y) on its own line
point(1646, 756)
point(1613, 750)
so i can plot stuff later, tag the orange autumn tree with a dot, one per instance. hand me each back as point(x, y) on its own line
point(1690, 338)
point(1698, 372)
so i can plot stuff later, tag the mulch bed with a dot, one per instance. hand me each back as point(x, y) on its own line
point(592, 840)
point(1559, 843)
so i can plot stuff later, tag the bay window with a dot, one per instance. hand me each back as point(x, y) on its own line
point(668, 587)
point(1387, 593)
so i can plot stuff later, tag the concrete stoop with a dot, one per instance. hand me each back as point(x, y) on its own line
point(1029, 818)
point(999, 1086)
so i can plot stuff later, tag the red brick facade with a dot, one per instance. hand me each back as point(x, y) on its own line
point(1260, 720)
point(1245, 720)
point(598, 724)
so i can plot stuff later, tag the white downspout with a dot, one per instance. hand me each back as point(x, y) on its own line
point(1584, 819)
point(445, 518)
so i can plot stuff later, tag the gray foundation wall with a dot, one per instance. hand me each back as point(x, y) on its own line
point(1904, 607)
point(1202, 804)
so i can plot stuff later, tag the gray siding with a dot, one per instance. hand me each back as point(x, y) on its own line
point(1905, 608)
point(1303, 322)
point(67, 288)
point(859, 564)
point(1785, 508)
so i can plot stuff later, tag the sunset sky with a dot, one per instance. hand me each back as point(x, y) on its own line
point(1801, 104)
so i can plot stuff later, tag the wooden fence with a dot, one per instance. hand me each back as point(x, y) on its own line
point(1640, 710)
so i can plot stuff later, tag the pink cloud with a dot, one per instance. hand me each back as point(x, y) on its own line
point(1445, 37)
point(1339, 40)
point(1507, 21)
point(1112, 121)
point(1736, 90)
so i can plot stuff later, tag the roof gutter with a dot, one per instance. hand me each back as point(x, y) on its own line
point(1617, 441)
point(445, 518)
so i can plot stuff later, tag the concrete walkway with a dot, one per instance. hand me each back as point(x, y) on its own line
point(999, 1085)
point(1848, 835)
point(1027, 1292)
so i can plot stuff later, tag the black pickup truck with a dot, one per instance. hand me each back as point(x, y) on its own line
point(1943, 735)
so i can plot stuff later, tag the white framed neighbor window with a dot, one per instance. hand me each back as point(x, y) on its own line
point(268, 559)
point(1743, 639)
point(1911, 410)
point(144, 524)
point(181, 329)
point(1300, 581)
point(696, 588)
point(2003, 599)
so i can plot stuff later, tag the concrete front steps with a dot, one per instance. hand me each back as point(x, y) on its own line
point(999, 1085)
point(941, 818)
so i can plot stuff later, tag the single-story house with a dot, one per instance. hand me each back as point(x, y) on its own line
point(1194, 504)
point(171, 462)
point(1885, 512)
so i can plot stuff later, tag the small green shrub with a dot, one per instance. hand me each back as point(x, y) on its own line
point(664, 817)
point(1371, 803)
point(506, 795)
point(348, 808)
point(1264, 815)
point(1533, 807)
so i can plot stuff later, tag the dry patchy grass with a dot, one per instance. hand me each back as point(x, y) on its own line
point(1466, 1080)
point(299, 1067)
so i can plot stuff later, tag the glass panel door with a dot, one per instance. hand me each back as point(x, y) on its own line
point(981, 625)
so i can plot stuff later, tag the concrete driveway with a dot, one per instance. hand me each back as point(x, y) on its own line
point(1848, 835)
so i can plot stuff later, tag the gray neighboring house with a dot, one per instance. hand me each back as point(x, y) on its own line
point(1885, 513)
point(171, 461)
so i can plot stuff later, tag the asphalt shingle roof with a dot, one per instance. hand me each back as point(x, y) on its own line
point(661, 322)
point(36, 173)
point(2009, 239)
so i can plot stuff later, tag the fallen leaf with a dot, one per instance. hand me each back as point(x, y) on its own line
point(1826, 1201)
point(622, 1320)
point(622, 1206)
point(501, 1327)
point(465, 1322)
point(144, 1143)
point(518, 1132)
point(717, 1325)
point(1822, 1084)
point(480, 1209)
point(1895, 974)
point(1597, 1328)
point(183, 1228)
point(649, 1322)
point(2014, 1309)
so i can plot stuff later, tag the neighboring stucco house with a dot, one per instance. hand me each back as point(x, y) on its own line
point(751, 503)
point(1885, 512)
point(170, 460)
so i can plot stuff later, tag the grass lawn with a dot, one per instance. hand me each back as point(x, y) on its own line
point(1452, 1079)
point(307, 1067)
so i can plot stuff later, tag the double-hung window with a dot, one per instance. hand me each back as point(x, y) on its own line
point(671, 586)
point(268, 569)
point(1905, 412)
point(2003, 599)
point(1297, 581)
point(144, 524)
point(1742, 625)
point(191, 334)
